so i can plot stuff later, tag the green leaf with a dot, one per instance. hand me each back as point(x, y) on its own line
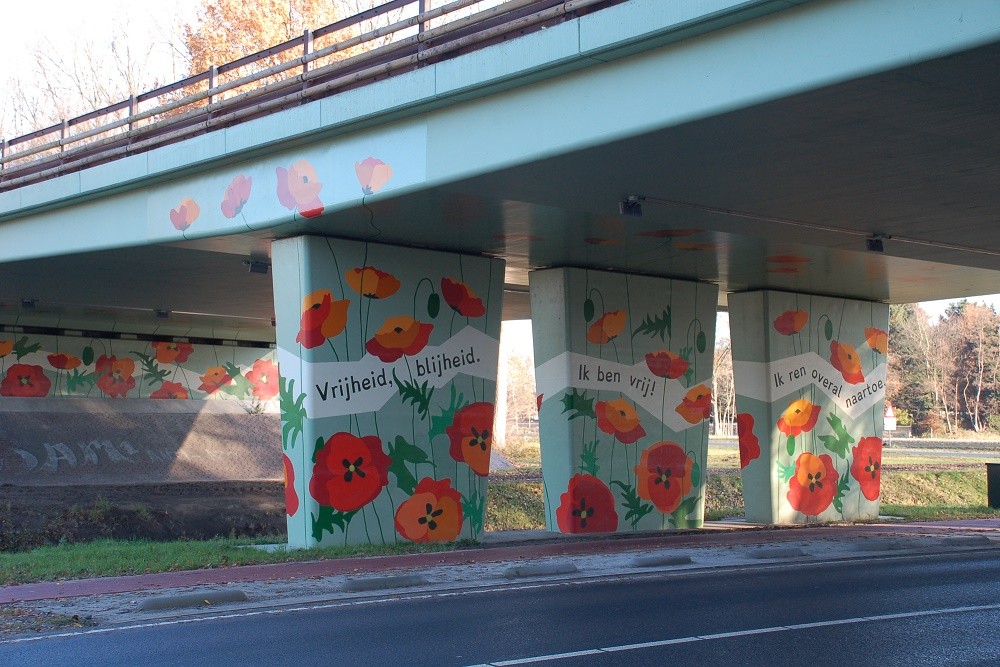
point(433, 304)
point(790, 446)
point(631, 501)
point(21, 347)
point(828, 329)
point(418, 395)
point(242, 386)
point(841, 440)
point(78, 380)
point(679, 517)
point(695, 474)
point(578, 404)
point(588, 310)
point(655, 326)
point(153, 374)
point(88, 356)
point(588, 459)
point(441, 422)
point(402, 452)
point(293, 413)
point(474, 509)
point(327, 519)
point(842, 487)
point(701, 341)
point(319, 445)
point(687, 354)
point(786, 471)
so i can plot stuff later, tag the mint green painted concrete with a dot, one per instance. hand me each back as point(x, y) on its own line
point(810, 388)
point(623, 369)
point(387, 400)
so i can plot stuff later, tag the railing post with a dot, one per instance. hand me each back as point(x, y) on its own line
point(3, 153)
point(307, 47)
point(133, 109)
point(421, 7)
point(63, 131)
point(213, 74)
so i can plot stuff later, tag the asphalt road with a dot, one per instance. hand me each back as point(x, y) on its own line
point(902, 610)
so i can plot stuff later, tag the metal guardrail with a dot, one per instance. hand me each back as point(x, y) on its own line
point(222, 96)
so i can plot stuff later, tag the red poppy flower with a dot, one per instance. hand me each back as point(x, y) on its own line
point(399, 336)
point(799, 417)
point(867, 466)
point(237, 195)
point(619, 419)
point(607, 327)
point(663, 475)
point(461, 298)
point(214, 378)
point(185, 214)
point(291, 497)
point(588, 506)
point(170, 390)
point(349, 471)
point(814, 484)
point(372, 174)
point(471, 436)
point(298, 189)
point(264, 378)
point(878, 339)
point(432, 514)
point(749, 445)
point(372, 283)
point(322, 318)
point(168, 352)
point(791, 322)
point(696, 405)
point(25, 381)
point(666, 364)
point(64, 362)
point(845, 359)
point(538, 401)
point(115, 375)
point(6, 347)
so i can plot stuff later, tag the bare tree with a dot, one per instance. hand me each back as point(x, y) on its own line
point(723, 389)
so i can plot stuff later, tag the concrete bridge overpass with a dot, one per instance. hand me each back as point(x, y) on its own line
point(818, 148)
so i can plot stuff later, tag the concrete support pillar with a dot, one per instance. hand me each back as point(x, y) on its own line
point(388, 361)
point(810, 390)
point(623, 367)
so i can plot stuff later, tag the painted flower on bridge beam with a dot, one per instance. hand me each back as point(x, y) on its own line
point(6, 347)
point(432, 514)
point(322, 318)
point(169, 352)
point(349, 472)
point(115, 379)
point(845, 359)
point(619, 419)
point(877, 339)
point(264, 378)
point(291, 496)
point(791, 322)
point(814, 484)
point(64, 362)
point(799, 417)
point(372, 174)
point(397, 337)
point(237, 195)
point(25, 381)
point(171, 390)
point(608, 327)
point(866, 466)
point(298, 189)
point(372, 283)
point(663, 475)
point(185, 214)
point(666, 364)
point(214, 378)
point(471, 437)
point(749, 444)
point(696, 405)
point(461, 298)
point(587, 506)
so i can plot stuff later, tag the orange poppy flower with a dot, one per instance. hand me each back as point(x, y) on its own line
point(115, 375)
point(372, 174)
point(814, 484)
point(471, 436)
point(749, 444)
point(588, 506)
point(799, 417)
point(322, 318)
point(349, 471)
point(214, 378)
point(264, 378)
point(845, 359)
point(64, 362)
point(25, 381)
point(878, 339)
point(607, 328)
point(663, 475)
point(291, 497)
point(6, 347)
point(168, 352)
point(372, 283)
point(866, 467)
point(620, 419)
point(237, 195)
point(461, 298)
point(432, 514)
point(185, 214)
point(298, 189)
point(666, 364)
point(696, 405)
point(791, 322)
point(173, 390)
point(399, 336)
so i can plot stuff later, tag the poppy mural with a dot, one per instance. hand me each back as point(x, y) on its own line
point(810, 386)
point(623, 370)
point(387, 403)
